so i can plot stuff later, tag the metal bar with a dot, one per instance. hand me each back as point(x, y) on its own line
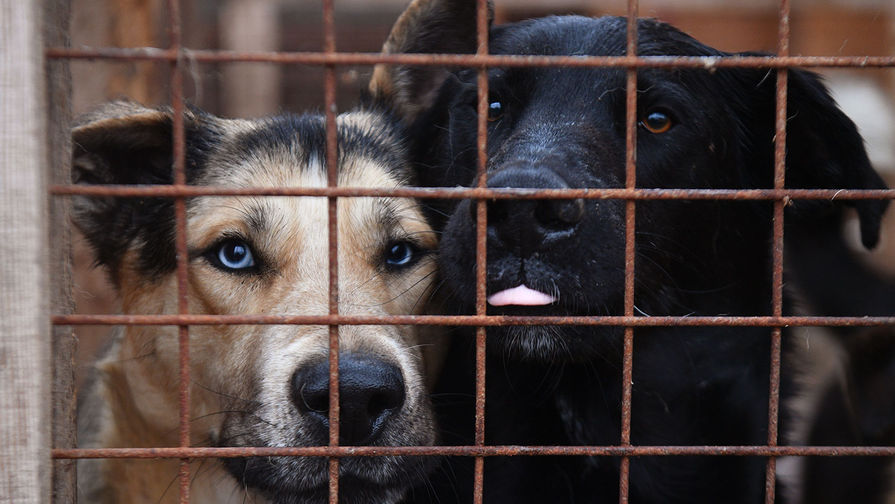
point(332, 180)
point(481, 248)
point(479, 451)
point(472, 320)
point(470, 60)
point(180, 240)
point(169, 191)
point(777, 250)
point(630, 229)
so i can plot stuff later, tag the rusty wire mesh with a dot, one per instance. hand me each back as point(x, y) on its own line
point(176, 54)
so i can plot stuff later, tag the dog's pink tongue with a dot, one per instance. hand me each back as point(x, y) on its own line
point(520, 296)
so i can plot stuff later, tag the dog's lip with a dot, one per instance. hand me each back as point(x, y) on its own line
point(520, 295)
point(351, 485)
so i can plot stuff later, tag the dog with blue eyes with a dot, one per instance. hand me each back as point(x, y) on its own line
point(261, 385)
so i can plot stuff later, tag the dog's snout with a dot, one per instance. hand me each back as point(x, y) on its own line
point(371, 391)
point(527, 224)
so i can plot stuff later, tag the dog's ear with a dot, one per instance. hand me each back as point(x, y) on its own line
point(125, 143)
point(426, 26)
point(825, 151)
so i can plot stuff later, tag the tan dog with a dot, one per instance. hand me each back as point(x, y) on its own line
point(263, 385)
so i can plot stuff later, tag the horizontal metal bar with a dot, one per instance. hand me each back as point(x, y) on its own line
point(477, 451)
point(171, 191)
point(466, 60)
point(470, 320)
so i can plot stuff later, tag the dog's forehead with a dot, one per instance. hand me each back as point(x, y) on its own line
point(290, 151)
point(280, 150)
point(586, 36)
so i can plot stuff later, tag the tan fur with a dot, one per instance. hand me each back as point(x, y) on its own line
point(137, 382)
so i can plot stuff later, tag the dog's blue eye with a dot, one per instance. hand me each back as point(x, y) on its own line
point(235, 255)
point(401, 254)
point(657, 122)
point(495, 110)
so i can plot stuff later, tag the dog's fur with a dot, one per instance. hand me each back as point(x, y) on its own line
point(250, 384)
point(845, 377)
point(564, 127)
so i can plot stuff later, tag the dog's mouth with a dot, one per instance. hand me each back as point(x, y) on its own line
point(304, 480)
point(352, 490)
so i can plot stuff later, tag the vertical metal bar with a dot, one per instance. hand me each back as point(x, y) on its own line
point(332, 180)
point(777, 274)
point(174, 26)
point(630, 212)
point(481, 250)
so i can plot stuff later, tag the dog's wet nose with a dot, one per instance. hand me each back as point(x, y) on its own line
point(371, 391)
point(528, 224)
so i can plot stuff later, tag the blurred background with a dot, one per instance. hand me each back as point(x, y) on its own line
point(819, 28)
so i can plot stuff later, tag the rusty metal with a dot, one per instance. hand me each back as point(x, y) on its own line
point(630, 251)
point(481, 248)
point(788, 195)
point(777, 250)
point(332, 180)
point(474, 320)
point(471, 60)
point(480, 451)
point(180, 242)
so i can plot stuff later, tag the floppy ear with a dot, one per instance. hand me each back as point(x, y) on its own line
point(426, 26)
point(125, 143)
point(825, 151)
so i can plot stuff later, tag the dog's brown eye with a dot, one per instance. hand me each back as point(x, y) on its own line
point(656, 122)
point(495, 110)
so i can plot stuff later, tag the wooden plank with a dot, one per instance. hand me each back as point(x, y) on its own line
point(135, 23)
point(24, 282)
point(250, 89)
point(57, 14)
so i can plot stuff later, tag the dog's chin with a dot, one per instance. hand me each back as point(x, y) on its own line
point(552, 344)
point(303, 480)
point(351, 491)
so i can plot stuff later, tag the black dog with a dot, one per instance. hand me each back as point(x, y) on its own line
point(846, 377)
point(564, 128)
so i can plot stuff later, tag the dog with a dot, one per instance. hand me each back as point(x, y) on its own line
point(263, 385)
point(845, 376)
point(554, 127)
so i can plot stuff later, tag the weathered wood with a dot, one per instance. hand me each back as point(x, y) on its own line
point(135, 23)
point(24, 281)
point(250, 89)
point(57, 14)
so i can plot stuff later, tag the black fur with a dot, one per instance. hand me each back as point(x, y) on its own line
point(856, 405)
point(564, 127)
point(138, 153)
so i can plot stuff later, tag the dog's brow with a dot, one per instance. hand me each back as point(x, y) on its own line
point(256, 218)
point(387, 210)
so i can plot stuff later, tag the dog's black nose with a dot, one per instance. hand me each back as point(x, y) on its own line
point(526, 225)
point(370, 392)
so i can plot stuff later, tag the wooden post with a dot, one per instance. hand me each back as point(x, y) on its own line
point(135, 23)
point(24, 280)
point(57, 14)
point(250, 89)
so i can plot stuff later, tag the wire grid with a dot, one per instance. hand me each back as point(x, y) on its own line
point(329, 58)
